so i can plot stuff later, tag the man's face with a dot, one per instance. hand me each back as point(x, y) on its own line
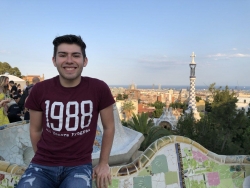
point(69, 62)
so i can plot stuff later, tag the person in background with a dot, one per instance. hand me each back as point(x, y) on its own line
point(13, 89)
point(14, 112)
point(26, 93)
point(63, 119)
point(4, 81)
point(27, 84)
point(35, 80)
point(18, 87)
point(19, 92)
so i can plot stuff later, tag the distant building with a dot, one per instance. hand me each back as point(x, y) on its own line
point(30, 77)
point(115, 91)
point(159, 87)
point(145, 109)
point(133, 94)
point(159, 98)
point(132, 86)
point(183, 95)
point(168, 119)
point(243, 102)
point(192, 100)
point(200, 106)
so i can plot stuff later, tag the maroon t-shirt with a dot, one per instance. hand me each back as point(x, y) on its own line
point(69, 119)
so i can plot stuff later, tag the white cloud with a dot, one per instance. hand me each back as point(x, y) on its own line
point(234, 49)
point(218, 55)
point(224, 56)
point(240, 55)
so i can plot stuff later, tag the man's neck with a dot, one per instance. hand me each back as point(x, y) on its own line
point(69, 83)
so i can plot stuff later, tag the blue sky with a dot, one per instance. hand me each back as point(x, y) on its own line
point(141, 42)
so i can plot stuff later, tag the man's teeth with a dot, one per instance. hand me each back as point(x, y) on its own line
point(70, 68)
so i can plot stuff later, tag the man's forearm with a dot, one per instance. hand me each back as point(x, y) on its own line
point(107, 141)
point(35, 137)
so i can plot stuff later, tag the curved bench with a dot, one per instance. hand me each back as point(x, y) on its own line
point(171, 161)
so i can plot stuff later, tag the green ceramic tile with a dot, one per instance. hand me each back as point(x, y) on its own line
point(159, 164)
point(145, 182)
point(226, 183)
point(224, 171)
point(146, 171)
point(171, 177)
point(115, 183)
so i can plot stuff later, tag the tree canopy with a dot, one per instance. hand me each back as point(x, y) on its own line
point(158, 108)
point(143, 124)
point(224, 129)
point(6, 68)
point(121, 97)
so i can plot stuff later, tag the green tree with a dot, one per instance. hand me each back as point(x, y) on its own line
point(119, 97)
point(197, 98)
point(157, 113)
point(179, 105)
point(208, 107)
point(224, 130)
point(154, 133)
point(224, 113)
point(125, 96)
point(6, 68)
point(128, 108)
point(16, 72)
point(143, 124)
point(158, 105)
point(158, 108)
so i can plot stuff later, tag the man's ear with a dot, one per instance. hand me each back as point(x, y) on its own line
point(85, 62)
point(54, 61)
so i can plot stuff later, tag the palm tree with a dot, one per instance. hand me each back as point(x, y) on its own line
point(144, 125)
point(128, 108)
point(141, 123)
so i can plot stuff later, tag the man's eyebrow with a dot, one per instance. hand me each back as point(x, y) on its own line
point(67, 53)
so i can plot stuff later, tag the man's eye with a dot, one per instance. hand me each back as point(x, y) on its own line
point(76, 56)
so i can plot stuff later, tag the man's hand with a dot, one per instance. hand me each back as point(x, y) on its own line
point(101, 173)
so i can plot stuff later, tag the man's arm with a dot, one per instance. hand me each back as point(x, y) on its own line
point(35, 127)
point(101, 171)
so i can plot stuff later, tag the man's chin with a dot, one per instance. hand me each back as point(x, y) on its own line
point(69, 77)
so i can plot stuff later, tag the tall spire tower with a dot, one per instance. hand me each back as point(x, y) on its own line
point(192, 100)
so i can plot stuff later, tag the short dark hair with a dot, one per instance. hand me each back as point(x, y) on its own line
point(16, 96)
point(11, 82)
point(69, 39)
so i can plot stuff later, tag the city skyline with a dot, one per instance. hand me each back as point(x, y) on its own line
point(129, 42)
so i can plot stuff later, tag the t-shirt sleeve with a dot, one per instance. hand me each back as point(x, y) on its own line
point(33, 100)
point(105, 95)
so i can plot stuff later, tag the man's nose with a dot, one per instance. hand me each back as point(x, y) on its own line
point(69, 59)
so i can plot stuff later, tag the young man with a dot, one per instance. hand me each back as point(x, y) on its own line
point(63, 120)
point(14, 112)
point(13, 89)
